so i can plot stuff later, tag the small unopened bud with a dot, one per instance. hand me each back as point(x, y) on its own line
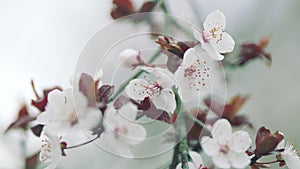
point(130, 58)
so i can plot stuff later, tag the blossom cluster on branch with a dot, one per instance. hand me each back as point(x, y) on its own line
point(93, 111)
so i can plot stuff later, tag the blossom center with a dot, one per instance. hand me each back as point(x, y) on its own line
point(189, 71)
point(120, 131)
point(224, 149)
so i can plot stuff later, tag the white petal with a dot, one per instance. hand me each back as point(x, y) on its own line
point(99, 74)
point(221, 161)
point(129, 57)
point(128, 111)
point(239, 160)
point(209, 146)
point(281, 144)
point(211, 51)
point(224, 44)
point(240, 141)
point(163, 77)
point(165, 100)
point(216, 20)
point(136, 134)
point(221, 131)
point(196, 158)
point(137, 89)
point(190, 57)
point(91, 118)
point(56, 97)
point(190, 164)
point(293, 162)
point(184, 91)
point(111, 119)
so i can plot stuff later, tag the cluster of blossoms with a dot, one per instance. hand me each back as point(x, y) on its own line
point(92, 112)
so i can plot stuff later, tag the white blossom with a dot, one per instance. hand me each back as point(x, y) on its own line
point(290, 155)
point(66, 110)
point(129, 58)
point(193, 75)
point(213, 39)
point(122, 130)
point(227, 149)
point(160, 91)
point(196, 163)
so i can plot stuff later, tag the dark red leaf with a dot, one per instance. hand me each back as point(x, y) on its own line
point(266, 142)
point(104, 94)
point(120, 101)
point(88, 87)
point(122, 8)
point(148, 6)
point(31, 162)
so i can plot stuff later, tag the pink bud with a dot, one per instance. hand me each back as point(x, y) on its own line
point(130, 58)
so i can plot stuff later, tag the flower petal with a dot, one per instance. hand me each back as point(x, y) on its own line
point(129, 111)
point(111, 119)
point(190, 57)
point(239, 160)
point(221, 161)
point(196, 158)
point(165, 100)
point(163, 77)
point(190, 164)
point(184, 91)
point(216, 20)
point(209, 146)
point(211, 51)
point(240, 141)
point(137, 89)
point(136, 134)
point(221, 131)
point(225, 44)
point(198, 35)
point(292, 161)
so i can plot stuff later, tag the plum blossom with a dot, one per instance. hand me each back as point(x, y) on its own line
point(196, 163)
point(160, 91)
point(193, 75)
point(226, 148)
point(66, 110)
point(51, 150)
point(121, 130)
point(289, 155)
point(213, 39)
point(130, 58)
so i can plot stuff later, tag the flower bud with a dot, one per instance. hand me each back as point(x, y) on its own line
point(130, 58)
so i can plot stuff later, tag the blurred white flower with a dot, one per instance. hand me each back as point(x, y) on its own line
point(65, 109)
point(160, 92)
point(121, 130)
point(213, 39)
point(193, 76)
point(130, 58)
point(289, 155)
point(51, 150)
point(226, 148)
point(196, 163)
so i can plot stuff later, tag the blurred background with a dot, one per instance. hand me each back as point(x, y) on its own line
point(42, 40)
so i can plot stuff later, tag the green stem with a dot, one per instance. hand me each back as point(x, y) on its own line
point(124, 84)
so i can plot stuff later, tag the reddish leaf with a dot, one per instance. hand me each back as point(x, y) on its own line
point(104, 94)
point(193, 128)
point(230, 109)
point(31, 162)
point(148, 6)
point(122, 8)
point(266, 142)
point(22, 120)
point(88, 87)
point(154, 113)
point(120, 101)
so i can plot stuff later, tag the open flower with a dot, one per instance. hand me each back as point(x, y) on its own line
point(121, 130)
point(160, 92)
point(213, 39)
point(226, 148)
point(51, 150)
point(193, 76)
point(290, 156)
point(196, 163)
point(65, 109)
